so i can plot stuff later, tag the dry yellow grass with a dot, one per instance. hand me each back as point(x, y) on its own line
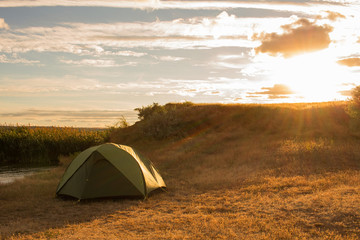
point(225, 181)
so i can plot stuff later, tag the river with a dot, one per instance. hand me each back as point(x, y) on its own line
point(9, 174)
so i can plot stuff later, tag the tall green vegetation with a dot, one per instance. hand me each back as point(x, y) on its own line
point(353, 110)
point(354, 103)
point(160, 122)
point(26, 144)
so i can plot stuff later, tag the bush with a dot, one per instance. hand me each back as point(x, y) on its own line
point(353, 110)
point(354, 104)
point(122, 123)
point(160, 122)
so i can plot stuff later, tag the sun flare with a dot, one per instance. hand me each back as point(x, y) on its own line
point(312, 77)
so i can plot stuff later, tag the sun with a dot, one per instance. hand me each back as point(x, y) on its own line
point(312, 77)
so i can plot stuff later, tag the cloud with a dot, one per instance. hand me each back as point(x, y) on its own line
point(3, 24)
point(231, 61)
point(298, 37)
point(77, 113)
point(97, 50)
point(330, 15)
point(231, 57)
point(333, 16)
point(71, 117)
point(101, 63)
point(347, 93)
point(110, 39)
point(126, 53)
point(350, 62)
point(204, 89)
point(169, 58)
point(36, 86)
point(80, 3)
point(290, 5)
point(277, 91)
point(15, 59)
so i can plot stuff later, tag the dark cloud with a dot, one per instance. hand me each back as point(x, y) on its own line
point(277, 91)
point(350, 62)
point(298, 37)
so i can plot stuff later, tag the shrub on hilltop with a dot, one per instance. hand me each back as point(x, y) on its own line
point(160, 122)
point(354, 104)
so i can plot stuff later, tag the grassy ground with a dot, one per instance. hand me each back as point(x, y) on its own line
point(239, 175)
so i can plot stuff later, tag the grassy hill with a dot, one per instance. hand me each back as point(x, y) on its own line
point(285, 171)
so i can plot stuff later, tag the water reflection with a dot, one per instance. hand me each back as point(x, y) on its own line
point(9, 174)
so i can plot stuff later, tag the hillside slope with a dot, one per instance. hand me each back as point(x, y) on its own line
point(234, 138)
point(288, 162)
point(286, 171)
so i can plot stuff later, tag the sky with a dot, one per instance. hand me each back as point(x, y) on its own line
point(88, 63)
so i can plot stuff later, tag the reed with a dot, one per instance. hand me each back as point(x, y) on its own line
point(27, 144)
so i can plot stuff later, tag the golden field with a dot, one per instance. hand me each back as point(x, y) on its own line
point(285, 171)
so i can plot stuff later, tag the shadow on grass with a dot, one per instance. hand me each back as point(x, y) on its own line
point(29, 205)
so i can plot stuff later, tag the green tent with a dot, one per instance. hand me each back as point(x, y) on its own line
point(109, 170)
